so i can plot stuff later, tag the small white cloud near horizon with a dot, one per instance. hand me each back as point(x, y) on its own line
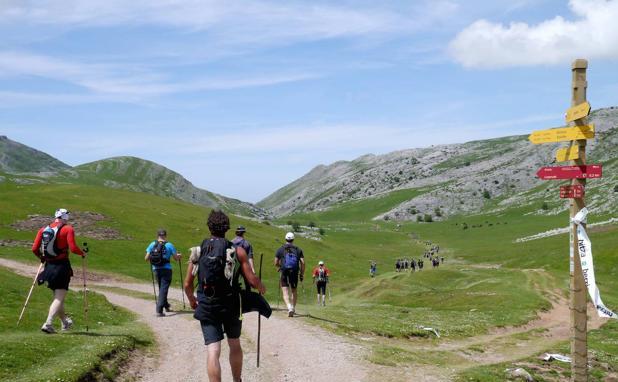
point(593, 34)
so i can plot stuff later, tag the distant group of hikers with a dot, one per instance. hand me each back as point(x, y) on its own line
point(431, 254)
point(217, 263)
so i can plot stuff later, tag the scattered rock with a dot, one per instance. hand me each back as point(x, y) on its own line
point(520, 374)
point(85, 224)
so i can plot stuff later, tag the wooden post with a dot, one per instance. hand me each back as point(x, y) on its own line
point(579, 319)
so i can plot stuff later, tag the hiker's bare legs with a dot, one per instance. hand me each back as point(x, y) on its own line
point(214, 367)
point(57, 306)
point(235, 358)
point(294, 297)
point(286, 296)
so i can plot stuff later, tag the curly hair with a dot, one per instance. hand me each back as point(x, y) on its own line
point(218, 222)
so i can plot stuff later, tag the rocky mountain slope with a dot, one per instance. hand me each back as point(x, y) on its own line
point(458, 178)
point(25, 165)
point(18, 158)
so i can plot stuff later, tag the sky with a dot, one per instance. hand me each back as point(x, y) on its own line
point(243, 97)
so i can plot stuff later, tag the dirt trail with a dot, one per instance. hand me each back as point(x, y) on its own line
point(291, 349)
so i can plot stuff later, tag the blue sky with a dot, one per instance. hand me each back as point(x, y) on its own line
point(242, 97)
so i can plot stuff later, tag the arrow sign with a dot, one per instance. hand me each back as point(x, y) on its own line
point(572, 191)
point(590, 171)
point(562, 134)
point(576, 112)
point(568, 153)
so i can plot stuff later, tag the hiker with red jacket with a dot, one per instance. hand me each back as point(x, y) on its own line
point(320, 277)
point(51, 246)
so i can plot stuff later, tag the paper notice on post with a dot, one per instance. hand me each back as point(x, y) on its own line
point(585, 257)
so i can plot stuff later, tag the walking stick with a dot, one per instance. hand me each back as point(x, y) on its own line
point(181, 288)
point(29, 294)
point(153, 284)
point(259, 317)
point(85, 290)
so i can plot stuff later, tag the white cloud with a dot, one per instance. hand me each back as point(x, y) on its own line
point(127, 85)
point(592, 34)
point(234, 20)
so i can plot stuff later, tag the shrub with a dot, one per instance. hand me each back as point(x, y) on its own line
point(419, 218)
point(322, 231)
point(265, 222)
point(616, 188)
point(311, 224)
point(387, 218)
point(290, 222)
point(412, 211)
point(544, 206)
point(427, 218)
point(296, 226)
point(486, 194)
point(438, 212)
point(465, 225)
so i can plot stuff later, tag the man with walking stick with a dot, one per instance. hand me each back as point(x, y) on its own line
point(159, 253)
point(51, 245)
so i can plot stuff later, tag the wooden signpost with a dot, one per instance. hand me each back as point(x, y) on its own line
point(578, 172)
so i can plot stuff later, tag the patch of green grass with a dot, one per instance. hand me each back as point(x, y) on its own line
point(30, 355)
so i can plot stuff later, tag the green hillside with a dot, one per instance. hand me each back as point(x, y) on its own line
point(18, 158)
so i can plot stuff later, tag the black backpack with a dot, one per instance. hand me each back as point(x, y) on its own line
point(217, 270)
point(157, 254)
point(49, 247)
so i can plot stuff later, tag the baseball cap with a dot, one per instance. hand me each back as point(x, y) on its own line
point(161, 232)
point(62, 213)
point(241, 229)
point(289, 236)
point(320, 262)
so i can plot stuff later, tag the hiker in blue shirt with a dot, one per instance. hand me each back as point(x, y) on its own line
point(159, 253)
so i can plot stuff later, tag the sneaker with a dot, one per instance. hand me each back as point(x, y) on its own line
point(49, 329)
point(291, 313)
point(323, 303)
point(68, 324)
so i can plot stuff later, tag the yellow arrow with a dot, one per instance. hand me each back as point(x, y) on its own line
point(576, 112)
point(568, 153)
point(562, 134)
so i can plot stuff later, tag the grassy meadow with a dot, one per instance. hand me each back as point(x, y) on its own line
point(487, 280)
point(69, 356)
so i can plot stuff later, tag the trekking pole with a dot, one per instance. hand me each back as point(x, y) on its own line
point(329, 287)
point(259, 316)
point(154, 290)
point(278, 289)
point(181, 288)
point(29, 294)
point(85, 290)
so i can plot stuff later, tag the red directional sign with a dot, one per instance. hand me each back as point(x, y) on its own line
point(572, 191)
point(590, 171)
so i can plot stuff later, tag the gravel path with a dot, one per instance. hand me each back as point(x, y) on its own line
point(291, 350)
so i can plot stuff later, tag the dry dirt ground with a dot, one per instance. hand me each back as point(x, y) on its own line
point(293, 350)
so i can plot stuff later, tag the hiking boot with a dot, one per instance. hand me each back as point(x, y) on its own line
point(160, 314)
point(67, 324)
point(291, 313)
point(168, 309)
point(49, 329)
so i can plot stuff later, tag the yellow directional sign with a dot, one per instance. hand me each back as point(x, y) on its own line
point(562, 134)
point(568, 153)
point(576, 112)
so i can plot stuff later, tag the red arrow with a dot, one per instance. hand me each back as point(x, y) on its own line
point(590, 171)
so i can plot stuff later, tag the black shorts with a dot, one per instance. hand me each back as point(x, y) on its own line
point(57, 275)
point(214, 332)
point(321, 287)
point(289, 278)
